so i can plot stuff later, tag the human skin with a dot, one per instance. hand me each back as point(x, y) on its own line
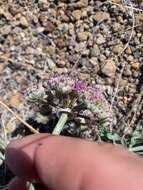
point(64, 163)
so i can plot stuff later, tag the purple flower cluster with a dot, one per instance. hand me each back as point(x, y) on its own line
point(93, 97)
point(66, 84)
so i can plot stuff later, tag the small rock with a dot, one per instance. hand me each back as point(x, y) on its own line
point(5, 30)
point(102, 58)
point(109, 69)
point(13, 9)
point(60, 43)
point(16, 100)
point(84, 61)
point(130, 58)
point(135, 65)
point(43, 5)
point(64, 18)
point(82, 36)
point(84, 13)
point(50, 27)
point(93, 61)
point(129, 51)
point(34, 19)
point(123, 82)
point(127, 72)
point(101, 16)
point(2, 66)
point(80, 4)
point(117, 49)
point(60, 70)
point(30, 51)
point(61, 63)
point(50, 50)
point(108, 81)
point(120, 19)
point(84, 76)
point(42, 1)
point(116, 27)
point(135, 74)
point(77, 14)
point(95, 51)
point(51, 64)
point(43, 19)
point(23, 22)
point(40, 29)
point(73, 58)
point(100, 39)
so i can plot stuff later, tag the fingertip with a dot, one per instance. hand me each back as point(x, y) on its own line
point(17, 184)
point(20, 156)
point(61, 161)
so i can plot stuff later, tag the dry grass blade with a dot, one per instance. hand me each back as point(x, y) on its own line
point(19, 118)
point(139, 104)
point(122, 70)
point(127, 6)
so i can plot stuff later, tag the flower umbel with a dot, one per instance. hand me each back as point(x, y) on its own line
point(66, 84)
point(60, 93)
point(91, 96)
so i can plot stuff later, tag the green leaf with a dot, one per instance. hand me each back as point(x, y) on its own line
point(113, 137)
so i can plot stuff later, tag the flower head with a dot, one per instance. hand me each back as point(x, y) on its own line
point(92, 97)
point(66, 84)
point(95, 100)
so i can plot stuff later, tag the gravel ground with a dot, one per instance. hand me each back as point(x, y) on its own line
point(99, 41)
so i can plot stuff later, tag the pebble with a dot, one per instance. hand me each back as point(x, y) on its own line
point(50, 50)
point(64, 18)
point(51, 64)
point(127, 72)
point(135, 65)
point(77, 14)
point(117, 49)
point(80, 4)
point(40, 29)
point(82, 36)
point(101, 16)
point(5, 30)
point(23, 22)
point(100, 39)
point(61, 63)
point(94, 62)
point(95, 51)
point(84, 61)
point(60, 43)
point(50, 27)
point(116, 27)
point(129, 51)
point(16, 100)
point(2, 66)
point(109, 69)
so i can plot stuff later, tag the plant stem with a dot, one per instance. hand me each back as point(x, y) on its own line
point(136, 149)
point(19, 118)
point(63, 119)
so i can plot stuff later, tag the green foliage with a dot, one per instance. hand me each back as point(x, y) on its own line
point(37, 96)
